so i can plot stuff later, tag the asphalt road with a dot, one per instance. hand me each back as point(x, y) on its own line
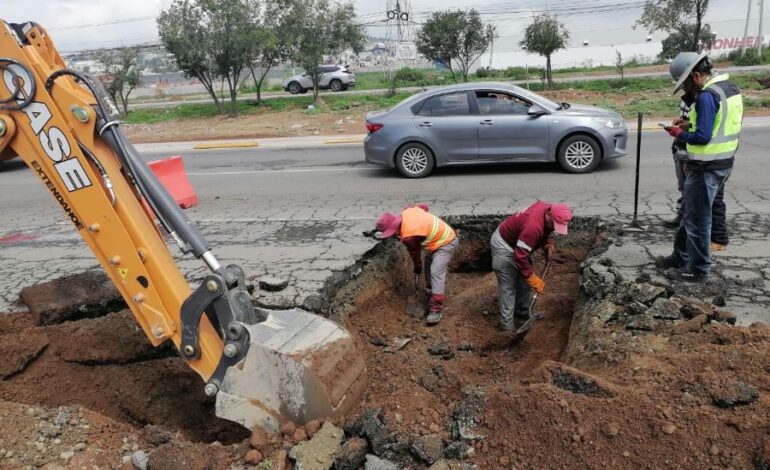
point(334, 182)
point(353, 91)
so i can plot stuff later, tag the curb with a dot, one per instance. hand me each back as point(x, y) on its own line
point(352, 140)
point(223, 145)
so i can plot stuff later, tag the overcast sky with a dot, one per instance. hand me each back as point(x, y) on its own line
point(82, 24)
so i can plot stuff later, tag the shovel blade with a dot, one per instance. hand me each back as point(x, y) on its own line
point(415, 308)
point(518, 337)
point(299, 367)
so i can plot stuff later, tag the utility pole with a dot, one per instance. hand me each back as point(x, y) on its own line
point(491, 52)
point(761, 35)
point(746, 29)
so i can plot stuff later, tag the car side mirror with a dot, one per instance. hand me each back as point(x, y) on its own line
point(536, 110)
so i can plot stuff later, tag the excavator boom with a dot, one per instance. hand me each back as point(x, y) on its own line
point(265, 367)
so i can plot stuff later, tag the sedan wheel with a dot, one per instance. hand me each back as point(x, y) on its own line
point(335, 85)
point(579, 154)
point(295, 88)
point(414, 160)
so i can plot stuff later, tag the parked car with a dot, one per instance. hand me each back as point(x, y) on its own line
point(333, 77)
point(476, 123)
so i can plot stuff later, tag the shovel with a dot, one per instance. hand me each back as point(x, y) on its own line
point(415, 307)
point(524, 329)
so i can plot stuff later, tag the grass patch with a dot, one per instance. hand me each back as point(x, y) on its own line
point(328, 104)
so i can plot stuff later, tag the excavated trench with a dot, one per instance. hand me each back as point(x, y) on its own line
point(106, 364)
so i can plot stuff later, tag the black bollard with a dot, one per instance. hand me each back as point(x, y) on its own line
point(635, 225)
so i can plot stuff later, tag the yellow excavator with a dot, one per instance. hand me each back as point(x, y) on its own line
point(264, 367)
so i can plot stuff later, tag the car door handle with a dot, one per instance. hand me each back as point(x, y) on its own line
point(426, 124)
point(487, 122)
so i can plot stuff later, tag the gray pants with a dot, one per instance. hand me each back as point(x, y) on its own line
point(437, 265)
point(513, 292)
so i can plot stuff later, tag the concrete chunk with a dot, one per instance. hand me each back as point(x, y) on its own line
point(318, 453)
point(664, 309)
point(273, 284)
point(375, 463)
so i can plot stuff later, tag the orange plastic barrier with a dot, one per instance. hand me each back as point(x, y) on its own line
point(170, 172)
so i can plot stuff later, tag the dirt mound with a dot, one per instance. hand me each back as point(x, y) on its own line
point(107, 365)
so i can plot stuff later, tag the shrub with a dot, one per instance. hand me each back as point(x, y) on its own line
point(409, 75)
point(516, 73)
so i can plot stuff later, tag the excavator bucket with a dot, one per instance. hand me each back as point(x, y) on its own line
point(299, 367)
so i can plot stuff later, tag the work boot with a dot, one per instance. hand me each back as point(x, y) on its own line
point(718, 247)
point(686, 276)
point(673, 223)
point(434, 317)
point(667, 262)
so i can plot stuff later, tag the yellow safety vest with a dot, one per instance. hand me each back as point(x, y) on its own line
point(415, 222)
point(727, 123)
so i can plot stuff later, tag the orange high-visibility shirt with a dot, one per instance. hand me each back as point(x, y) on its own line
point(415, 222)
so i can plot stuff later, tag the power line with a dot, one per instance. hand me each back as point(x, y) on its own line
point(105, 23)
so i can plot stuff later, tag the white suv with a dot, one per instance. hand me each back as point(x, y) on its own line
point(333, 77)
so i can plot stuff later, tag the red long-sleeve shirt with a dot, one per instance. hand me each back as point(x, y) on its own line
point(525, 232)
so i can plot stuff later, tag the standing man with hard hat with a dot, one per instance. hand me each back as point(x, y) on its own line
point(418, 229)
point(513, 244)
point(712, 142)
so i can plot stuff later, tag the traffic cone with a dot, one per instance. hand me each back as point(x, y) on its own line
point(170, 172)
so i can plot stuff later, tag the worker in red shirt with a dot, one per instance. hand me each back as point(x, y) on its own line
point(420, 230)
point(512, 246)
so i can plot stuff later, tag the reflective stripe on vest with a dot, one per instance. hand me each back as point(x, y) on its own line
point(415, 222)
point(727, 122)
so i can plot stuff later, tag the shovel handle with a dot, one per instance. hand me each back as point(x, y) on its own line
point(534, 296)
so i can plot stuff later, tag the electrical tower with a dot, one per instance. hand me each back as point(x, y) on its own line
point(399, 34)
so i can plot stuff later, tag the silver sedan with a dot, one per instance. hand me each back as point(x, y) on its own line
point(476, 123)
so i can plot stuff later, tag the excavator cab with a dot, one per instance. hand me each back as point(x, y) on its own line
point(264, 367)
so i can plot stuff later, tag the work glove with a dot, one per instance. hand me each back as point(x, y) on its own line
point(549, 251)
point(674, 131)
point(536, 283)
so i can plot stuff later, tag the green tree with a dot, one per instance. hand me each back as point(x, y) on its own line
point(273, 39)
point(676, 42)
point(682, 19)
point(320, 28)
point(122, 74)
point(544, 36)
point(455, 39)
point(211, 39)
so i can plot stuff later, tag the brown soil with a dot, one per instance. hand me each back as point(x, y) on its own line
point(253, 126)
point(417, 391)
point(106, 366)
point(655, 410)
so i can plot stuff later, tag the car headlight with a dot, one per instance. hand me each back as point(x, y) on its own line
point(611, 122)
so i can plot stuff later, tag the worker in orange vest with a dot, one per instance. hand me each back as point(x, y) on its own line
point(418, 229)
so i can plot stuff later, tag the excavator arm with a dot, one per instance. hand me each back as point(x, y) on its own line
point(265, 367)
